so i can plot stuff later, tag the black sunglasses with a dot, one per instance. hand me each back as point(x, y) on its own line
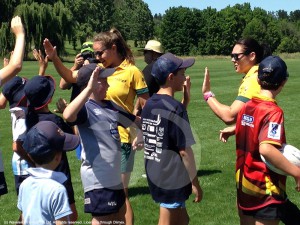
point(99, 53)
point(236, 57)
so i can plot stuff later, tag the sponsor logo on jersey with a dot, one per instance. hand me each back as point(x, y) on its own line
point(274, 131)
point(247, 120)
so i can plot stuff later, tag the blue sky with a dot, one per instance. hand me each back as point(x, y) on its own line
point(159, 6)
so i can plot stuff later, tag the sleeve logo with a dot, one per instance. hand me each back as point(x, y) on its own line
point(274, 131)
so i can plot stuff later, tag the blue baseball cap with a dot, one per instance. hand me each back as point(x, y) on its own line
point(169, 63)
point(272, 70)
point(46, 137)
point(39, 91)
point(85, 72)
point(13, 91)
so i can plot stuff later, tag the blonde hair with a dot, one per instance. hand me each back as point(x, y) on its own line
point(114, 37)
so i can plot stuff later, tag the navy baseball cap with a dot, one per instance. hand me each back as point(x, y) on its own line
point(272, 70)
point(46, 137)
point(85, 72)
point(39, 91)
point(13, 91)
point(169, 63)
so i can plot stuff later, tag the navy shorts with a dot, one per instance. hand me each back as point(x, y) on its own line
point(104, 201)
point(3, 186)
point(287, 212)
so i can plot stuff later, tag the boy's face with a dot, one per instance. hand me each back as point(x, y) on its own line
point(179, 79)
point(102, 88)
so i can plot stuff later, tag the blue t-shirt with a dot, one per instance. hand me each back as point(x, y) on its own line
point(166, 131)
point(42, 198)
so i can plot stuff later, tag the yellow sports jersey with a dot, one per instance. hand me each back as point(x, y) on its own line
point(249, 85)
point(124, 85)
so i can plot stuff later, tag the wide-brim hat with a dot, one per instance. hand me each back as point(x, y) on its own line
point(13, 91)
point(169, 63)
point(153, 45)
point(85, 72)
point(39, 91)
point(46, 137)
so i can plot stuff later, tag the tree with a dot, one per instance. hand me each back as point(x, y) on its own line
point(178, 30)
point(90, 17)
point(44, 20)
point(139, 26)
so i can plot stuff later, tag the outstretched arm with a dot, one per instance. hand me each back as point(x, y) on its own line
point(15, 63)
point(71, 111)
point(43, 61)
point(226, 113)
point(186, 92)
point(64, 72)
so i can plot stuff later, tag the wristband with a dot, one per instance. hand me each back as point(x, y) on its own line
point(207, 95)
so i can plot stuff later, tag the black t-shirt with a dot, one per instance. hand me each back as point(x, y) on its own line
point(153, 86)
point(166, 131)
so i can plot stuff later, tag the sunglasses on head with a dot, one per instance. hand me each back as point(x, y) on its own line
point(99, 53)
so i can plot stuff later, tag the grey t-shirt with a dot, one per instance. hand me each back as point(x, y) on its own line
point(101, 146)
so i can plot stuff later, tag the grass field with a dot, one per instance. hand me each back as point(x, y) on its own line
point(215, 160)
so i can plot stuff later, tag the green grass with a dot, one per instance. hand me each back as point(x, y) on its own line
point(215, 160)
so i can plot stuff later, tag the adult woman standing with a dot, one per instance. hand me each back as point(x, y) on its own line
point(125, 85)
point(246, 55)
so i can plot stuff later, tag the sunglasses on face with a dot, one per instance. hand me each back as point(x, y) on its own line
point(236, 57)
point(99, 53)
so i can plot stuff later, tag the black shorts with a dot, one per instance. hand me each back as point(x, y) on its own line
point(104, 201)
point(3, 186)
point(287, 212)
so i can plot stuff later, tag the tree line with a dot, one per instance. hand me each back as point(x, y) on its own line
point(182, 30)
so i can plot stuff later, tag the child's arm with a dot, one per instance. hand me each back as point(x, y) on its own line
point(226, 133)
point(64, 72)
point(186, 92)
point(275, 157)
point(71, 111)
point(17, 147)
point(15, 64)
point(3, 101)
point(43, 61)
point(188, 159)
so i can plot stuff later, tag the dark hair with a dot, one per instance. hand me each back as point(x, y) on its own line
point(251, 45)
point(43, 159)
point(269, 86)
point(114, 37)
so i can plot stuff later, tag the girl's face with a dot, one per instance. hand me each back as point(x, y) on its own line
point(103, 54)
point(242, 63)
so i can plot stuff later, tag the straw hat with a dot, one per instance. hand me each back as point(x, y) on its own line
point(153, 45)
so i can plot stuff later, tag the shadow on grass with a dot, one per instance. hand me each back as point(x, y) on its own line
point(144, 190)
point(207, 172)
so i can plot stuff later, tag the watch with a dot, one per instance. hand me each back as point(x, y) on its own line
point(207, 95)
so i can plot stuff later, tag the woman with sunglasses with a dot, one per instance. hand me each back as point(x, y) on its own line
point(126, 84)
point(247, 53)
